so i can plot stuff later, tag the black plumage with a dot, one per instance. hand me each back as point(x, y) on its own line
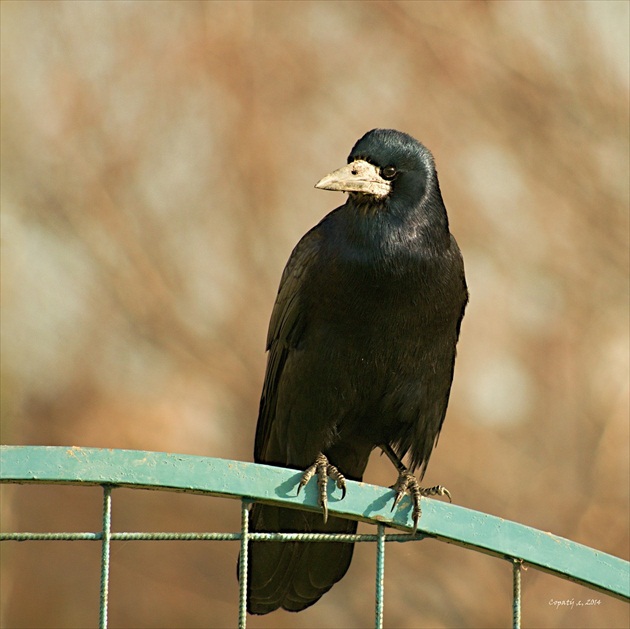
point(361, 353)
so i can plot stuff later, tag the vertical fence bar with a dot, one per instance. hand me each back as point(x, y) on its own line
point(380, 576)
point(516, 593)
point(105, 548)
point(242, 565)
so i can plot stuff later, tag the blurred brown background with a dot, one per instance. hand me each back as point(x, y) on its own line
point(158, 163)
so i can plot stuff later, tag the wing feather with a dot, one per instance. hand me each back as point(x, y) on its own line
point(288, 320)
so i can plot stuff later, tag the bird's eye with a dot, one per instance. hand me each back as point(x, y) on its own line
point(389, 172)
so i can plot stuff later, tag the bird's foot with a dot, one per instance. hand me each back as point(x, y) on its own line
point(324, 471)
point(408, 484)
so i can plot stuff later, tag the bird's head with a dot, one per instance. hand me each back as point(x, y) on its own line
point(386, 167)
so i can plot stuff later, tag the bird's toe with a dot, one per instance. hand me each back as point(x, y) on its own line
point(407, 484)
point(324, 470)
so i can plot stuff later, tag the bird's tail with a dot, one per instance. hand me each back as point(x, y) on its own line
point(294, 575)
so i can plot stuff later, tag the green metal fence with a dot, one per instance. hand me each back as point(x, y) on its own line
point(249, 482)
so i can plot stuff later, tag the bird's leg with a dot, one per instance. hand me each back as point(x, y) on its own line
point(324, 471)
point(408, 484)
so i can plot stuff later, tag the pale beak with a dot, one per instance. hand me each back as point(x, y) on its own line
point(358, 176)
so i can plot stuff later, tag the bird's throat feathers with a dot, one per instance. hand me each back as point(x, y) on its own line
point(383, 228)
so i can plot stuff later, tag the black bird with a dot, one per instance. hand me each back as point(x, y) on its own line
point(361, 355)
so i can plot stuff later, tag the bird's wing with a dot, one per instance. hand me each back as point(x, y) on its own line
point(287, 323)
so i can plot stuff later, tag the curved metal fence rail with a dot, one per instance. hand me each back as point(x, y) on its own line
point(251, 482)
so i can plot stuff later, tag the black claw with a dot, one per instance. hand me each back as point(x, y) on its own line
point(417, 512)
point(302, 483)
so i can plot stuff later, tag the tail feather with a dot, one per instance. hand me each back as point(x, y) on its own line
point(294, 575)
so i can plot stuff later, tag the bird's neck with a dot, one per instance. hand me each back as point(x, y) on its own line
point(381, 232)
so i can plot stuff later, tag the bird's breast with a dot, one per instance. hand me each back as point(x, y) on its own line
point(358, 303)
